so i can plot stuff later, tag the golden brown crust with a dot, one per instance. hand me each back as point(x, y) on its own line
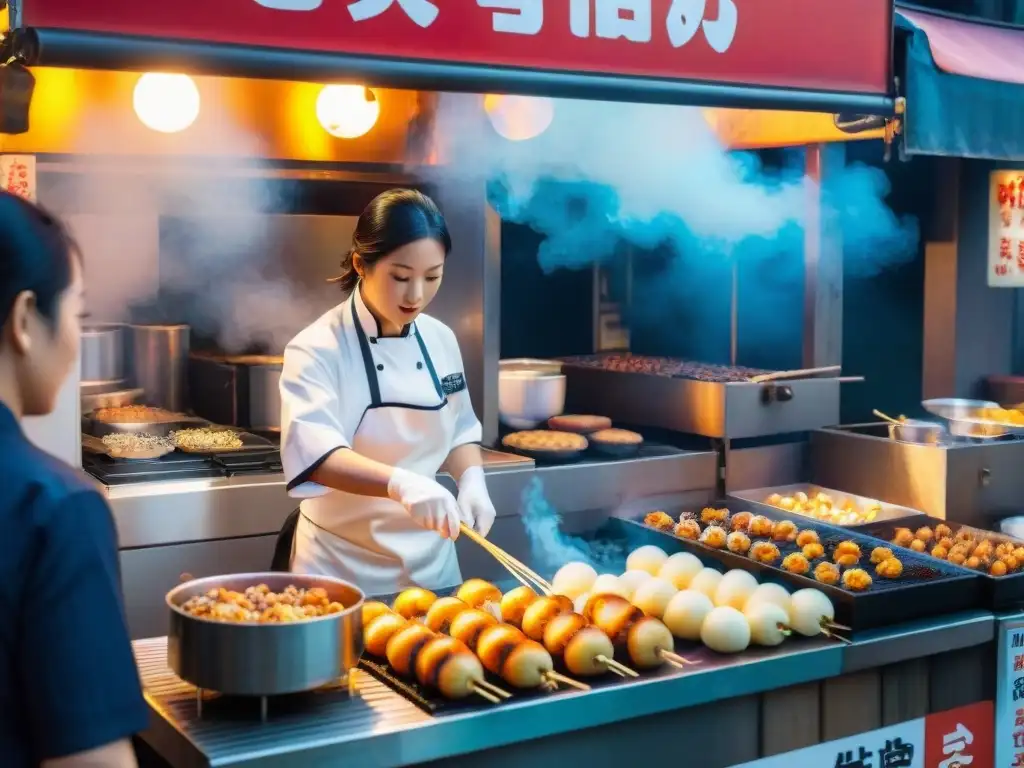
point(615, 437)
point(545, 441)
point(579, 423)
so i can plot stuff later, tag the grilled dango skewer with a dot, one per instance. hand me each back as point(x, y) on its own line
point(468, 625)
point(443, 612)
point(403, 646)
point(586, 650)
point(514, 603)
point(626, 625)
point(477, 593)
point(449, 666)
point(539, 613)
point(413, 603)
point(372, 609)
point(519, 661)
point(378, 632)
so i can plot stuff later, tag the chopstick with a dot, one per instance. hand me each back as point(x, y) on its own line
point(802, 373)
point(525, 575)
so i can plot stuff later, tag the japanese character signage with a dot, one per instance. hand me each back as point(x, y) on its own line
point(1010, 696)
point(1006, 230)
point(19, 175)
point(955, 739)
point(805, 44)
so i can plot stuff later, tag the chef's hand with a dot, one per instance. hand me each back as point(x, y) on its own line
point(426, 501)
point(474, 501)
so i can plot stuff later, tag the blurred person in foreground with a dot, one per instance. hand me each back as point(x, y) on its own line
point(69, 690)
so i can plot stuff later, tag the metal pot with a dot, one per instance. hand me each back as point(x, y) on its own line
point(102, 354)
point(246, 659)
point(529, 397)
point(159, 364)
point(240, 390)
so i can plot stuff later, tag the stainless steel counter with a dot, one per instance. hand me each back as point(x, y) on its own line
point(375, 727)
point(229, 525)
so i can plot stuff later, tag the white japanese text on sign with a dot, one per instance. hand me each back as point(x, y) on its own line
point(630, 20)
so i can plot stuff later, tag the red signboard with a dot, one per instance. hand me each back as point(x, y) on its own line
point(961, 737)
point(818, 45)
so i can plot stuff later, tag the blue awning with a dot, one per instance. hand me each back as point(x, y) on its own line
point(964, 86)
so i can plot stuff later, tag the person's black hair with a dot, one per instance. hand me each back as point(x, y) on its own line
point(392, 220)
point(35, 255)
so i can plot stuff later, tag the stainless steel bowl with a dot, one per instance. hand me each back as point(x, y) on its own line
point(966, 418)
point(249, 659)
point(917, 431)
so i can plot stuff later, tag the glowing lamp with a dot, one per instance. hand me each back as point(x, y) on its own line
point(519, 118)
point(347, 111)
point(166, 103)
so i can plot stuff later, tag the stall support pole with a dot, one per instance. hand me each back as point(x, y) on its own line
point(823, 264)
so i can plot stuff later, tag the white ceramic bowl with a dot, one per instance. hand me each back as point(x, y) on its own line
point(527, 399)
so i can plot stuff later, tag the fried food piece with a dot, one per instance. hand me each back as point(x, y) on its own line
point(848, 547)
point(807, 537)
point(796, 563)
point(940, 552)
point(947, 542)
point(738, 542)
point(761, 526)
point(785, 530)
point(956, 557)
point(846, 554)
point(659, 520)
point(764, 552)
point(688, 529)
point(1011, 562)
point(775, 499)
point(918, 546)
point(998, 568)
point(714, 537)
point(925, 534)
point(826, 573)
point(943, 531)
point(813, 550)
point(741, 521)
point(712, 516)
point(890, 568)
point(878, 554)
point(856, 579)
point(964, 535)
point(902, 537)
point(973, 562)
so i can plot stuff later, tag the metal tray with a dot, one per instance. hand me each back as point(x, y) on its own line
point(250, 443)
point(928, 588)
point(755, 499)
point(998, 593)
point(91, 426)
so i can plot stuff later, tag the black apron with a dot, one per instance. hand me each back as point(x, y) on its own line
point(282, 561)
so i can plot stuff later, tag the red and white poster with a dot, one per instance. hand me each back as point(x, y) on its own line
point(958, 738)
point(19, 175)
point(1006, 229)
point(1010, 695)
point(820, 45)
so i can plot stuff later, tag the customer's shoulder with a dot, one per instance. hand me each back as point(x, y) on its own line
point(48, 484)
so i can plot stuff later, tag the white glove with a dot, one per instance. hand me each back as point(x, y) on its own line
point(426, 501)
point(475, 505)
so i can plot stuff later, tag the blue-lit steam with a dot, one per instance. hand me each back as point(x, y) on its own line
point(657, 176)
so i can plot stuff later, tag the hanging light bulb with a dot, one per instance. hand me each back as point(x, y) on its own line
point(347, 111)
point(166, 103)
point(519, 118)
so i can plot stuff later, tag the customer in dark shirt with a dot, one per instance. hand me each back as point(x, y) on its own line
point(69, 688)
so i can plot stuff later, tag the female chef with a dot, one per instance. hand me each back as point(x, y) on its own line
point(373, 403)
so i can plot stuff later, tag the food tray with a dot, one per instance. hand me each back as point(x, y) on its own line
point(250, 443)
point(91, 426)
point(998, 593)
point(755, 500)
point(927, 588)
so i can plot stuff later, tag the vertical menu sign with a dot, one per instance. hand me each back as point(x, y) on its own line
point(1006, 230)
point(1010, 695)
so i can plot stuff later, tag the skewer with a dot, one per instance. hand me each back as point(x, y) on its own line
point(834, 625)
point(676, 660)
point(515, 567)
point(492, 688)
point(835, 636)
point(568, 681)
point(482, 693)
point(620, 669)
